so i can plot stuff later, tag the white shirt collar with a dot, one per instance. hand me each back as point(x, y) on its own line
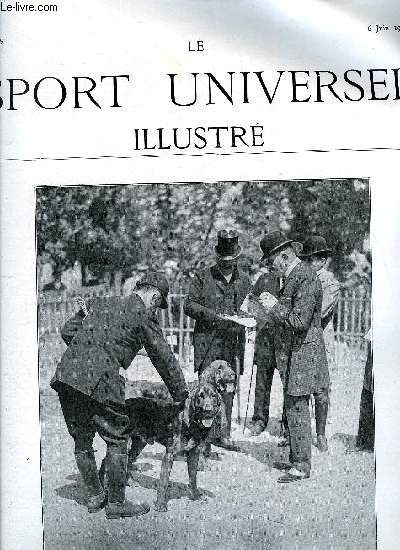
point(291, 267)
point(228, 277)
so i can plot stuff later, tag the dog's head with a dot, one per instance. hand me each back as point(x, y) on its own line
point(204, 405)
point(224, 376)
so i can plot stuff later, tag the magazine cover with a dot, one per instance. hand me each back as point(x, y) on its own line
point(199, 236)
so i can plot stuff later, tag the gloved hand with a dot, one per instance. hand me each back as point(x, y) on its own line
point(267, 300)
point(82, 305)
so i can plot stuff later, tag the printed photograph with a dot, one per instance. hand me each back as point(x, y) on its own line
point(205, 365)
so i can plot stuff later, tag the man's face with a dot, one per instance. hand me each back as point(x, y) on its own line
point(226, 266)
point(155, 302)
point(278, 262)
point(317, 262)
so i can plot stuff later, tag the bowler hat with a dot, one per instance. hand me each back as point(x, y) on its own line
point(152, 278)
point(228, 245)
point(315, 245)
point(272, 242)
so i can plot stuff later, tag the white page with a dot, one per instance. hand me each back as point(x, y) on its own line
point(68, 146)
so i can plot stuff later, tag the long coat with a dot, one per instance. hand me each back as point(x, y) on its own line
point(210, 294)
point(264, 354)
point(298, 335)
point(109, 338)
point(330, 297)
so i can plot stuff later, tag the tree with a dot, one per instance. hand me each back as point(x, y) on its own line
point(113, 227)
point(339, 210)
point(83, 223)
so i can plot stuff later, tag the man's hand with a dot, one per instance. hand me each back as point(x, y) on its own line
point(82, 304)
point(180, 400)
point(267, 300)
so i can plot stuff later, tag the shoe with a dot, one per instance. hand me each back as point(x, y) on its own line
point(293, 475)
point(227, 444)
point(118, 506)
point(283, 465)
point(284, 442)
point(322, 443)
point(126, 509)
point(257, 428)
point(96, 503)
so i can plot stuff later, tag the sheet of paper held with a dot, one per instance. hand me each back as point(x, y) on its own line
point(248, 322)
point(252, 306)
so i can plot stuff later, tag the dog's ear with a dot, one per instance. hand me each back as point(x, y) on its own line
point(218, 402)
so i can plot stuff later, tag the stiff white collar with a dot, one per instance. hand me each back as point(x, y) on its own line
point(291, 267)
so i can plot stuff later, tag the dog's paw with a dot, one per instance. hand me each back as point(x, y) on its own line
point(131, 482)
point(197, 495)
point(160, 506)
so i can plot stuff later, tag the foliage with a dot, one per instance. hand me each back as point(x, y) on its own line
point(115, 227)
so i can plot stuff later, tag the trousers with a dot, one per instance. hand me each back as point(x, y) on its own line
point(299, 422)
point(85, 416)
point(262, 394)
point(321, 400)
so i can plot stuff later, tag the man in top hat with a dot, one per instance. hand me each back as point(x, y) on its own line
point(102, 339)
point(214, 292)
point(295, 318)
point(316, 253)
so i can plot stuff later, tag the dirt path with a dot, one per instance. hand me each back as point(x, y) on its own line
point(245, 506)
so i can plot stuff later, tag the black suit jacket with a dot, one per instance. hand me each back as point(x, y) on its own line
point(106, 340)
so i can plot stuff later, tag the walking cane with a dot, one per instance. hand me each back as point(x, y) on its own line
point(248, 397)
point(238, 387)
point(248, 359)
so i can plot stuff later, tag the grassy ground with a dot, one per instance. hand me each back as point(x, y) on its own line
point(245, 506)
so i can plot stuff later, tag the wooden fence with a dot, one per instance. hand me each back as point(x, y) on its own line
point(352, 320)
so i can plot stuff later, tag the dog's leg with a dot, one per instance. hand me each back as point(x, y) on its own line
point(223, 420)
point(192, 464)
point(137, 446)
point(161, 504)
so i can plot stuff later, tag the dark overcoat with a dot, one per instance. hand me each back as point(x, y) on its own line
point(264, 354)
point(107, 339)
point(298, 335)
point(210, 294)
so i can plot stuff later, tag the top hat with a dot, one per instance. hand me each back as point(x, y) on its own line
point(273, 242)
point(228, 245)
point(315, 245)
point(152, 278)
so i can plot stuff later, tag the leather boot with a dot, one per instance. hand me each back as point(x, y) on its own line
point(321, 415)
point(87, 468)
point(117, 506)
point(102, 475)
